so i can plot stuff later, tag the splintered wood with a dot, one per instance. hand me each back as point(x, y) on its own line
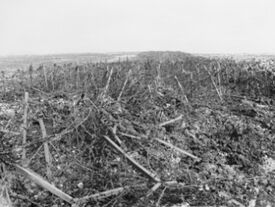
point(46, 149)
point(132, 161)
point(45, 184)
point(25, 127)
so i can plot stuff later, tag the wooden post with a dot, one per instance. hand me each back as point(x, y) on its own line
point(25, 127)
point(45, 77)
point(46, 149)
point(31, 76)
point(182, 90)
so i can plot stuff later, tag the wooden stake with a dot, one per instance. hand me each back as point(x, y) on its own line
point(182, 90)
point(171, 121)
point(153, 189)
point(132, 161)
point(108, 193)
point(214, 84)
point(45, 184)
point(45, 77)
point(46, 149)
point(25, 127)
point(177, 149)
point(124, 85)
point(108, 82)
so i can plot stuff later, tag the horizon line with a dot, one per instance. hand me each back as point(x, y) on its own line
point(128, 52)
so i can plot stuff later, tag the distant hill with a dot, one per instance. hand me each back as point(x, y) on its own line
point(164, 55)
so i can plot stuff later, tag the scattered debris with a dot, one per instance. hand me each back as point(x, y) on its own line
point(128, 134)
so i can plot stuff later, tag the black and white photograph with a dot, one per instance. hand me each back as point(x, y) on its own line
point(137, 103)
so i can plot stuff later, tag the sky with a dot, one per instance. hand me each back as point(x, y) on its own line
point(81, 26)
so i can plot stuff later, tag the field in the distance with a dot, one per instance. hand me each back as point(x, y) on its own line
point(9, 64)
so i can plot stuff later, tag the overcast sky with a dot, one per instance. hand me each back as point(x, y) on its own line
point(196, 26)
